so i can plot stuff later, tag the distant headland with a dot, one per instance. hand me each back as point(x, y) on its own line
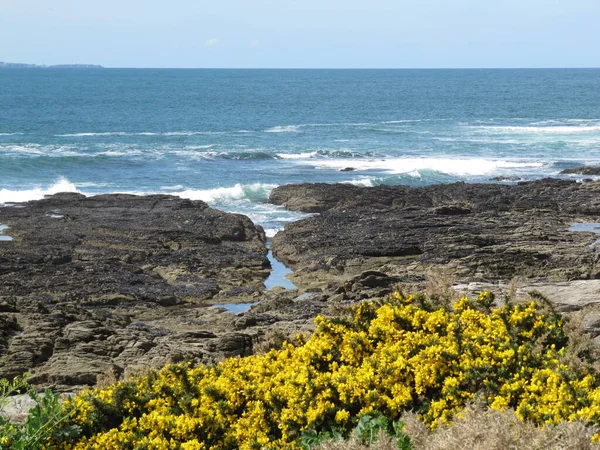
point(7, 65)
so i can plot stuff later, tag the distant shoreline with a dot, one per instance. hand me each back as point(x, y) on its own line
point(6, 65)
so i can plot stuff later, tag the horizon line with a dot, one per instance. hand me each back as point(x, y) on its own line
point(100, 66)
point(353, 68)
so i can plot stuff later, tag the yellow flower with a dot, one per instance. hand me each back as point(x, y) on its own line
point(385, 358)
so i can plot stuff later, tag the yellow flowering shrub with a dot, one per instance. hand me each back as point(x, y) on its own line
point(405, 354)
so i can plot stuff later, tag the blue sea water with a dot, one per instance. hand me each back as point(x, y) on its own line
point(229, 136)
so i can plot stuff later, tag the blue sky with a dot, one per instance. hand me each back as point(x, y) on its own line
point(302, 33)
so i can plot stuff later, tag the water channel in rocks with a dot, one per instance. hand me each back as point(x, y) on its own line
point(4, 237)
point(587, 228)
point(277, 278)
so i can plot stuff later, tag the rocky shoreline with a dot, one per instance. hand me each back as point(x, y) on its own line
point(479, 232)
point(118, 284)
point(365, 241)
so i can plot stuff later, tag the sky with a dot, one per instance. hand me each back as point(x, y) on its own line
point(302, 33)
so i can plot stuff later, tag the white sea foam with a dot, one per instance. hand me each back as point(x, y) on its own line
point(403, 121)
point(142, 133)
point(283, 129)
point(558, 129)
point(172, 133)
point(450, 166)
point(338, 124)
point(39, 150)
point(190, 133)
point(271, 232)
point(282, 218)
point(91, 184)
point(192, 154)
point(119, 153)
point(254, 192)
point(38, 193)
point(198, 147)
point(28, 149)
point(565, 121)
point(367, 182)
point(177, 187)
point(306, 155)
point(10, 134)
point(481, 141)
point(109, 133)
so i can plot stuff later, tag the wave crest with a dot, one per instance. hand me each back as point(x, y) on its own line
point(283, 129)
point(257, 192)
point(20, 196)
point(450, 166)
point(556, 129)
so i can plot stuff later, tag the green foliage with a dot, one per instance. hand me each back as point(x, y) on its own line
point(366, 432)
point(8, 388)
point(368, 429)
point(46, 421)
point(312, 438)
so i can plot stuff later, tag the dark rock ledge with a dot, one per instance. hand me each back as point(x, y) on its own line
point(120, 283)
point(582, 170)
point(476, 232)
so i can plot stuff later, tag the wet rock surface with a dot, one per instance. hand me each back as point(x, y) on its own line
point(582, 170)
point(478, 232)
point(119, 284)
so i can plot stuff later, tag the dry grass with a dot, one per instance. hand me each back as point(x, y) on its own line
point(137, 370)
point(480, 428)
point(484, 429)
point(439, 285)
point(107, 379)
point(582, 352)
point(383, 442)
point(272, 339)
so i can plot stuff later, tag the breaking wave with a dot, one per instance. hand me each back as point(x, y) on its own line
point(257, 192)
point(38, 193)
point(283, 129)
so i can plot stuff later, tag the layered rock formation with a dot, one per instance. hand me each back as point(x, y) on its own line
point(121, 283)
point(476, 232)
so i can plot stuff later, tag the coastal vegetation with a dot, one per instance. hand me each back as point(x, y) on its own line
point(355, 377)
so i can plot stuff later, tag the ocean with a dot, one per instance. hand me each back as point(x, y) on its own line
point(228, 137)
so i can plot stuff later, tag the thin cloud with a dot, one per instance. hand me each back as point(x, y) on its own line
point(211, 43)
point(254, 43)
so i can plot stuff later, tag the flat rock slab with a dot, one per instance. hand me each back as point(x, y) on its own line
point(90, 285)
point(477, 232)
point(17, 407)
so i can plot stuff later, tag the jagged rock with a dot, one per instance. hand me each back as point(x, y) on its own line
point(245, 322)
point(233, 344)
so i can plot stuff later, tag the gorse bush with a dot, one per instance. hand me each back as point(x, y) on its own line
point(405, 354)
